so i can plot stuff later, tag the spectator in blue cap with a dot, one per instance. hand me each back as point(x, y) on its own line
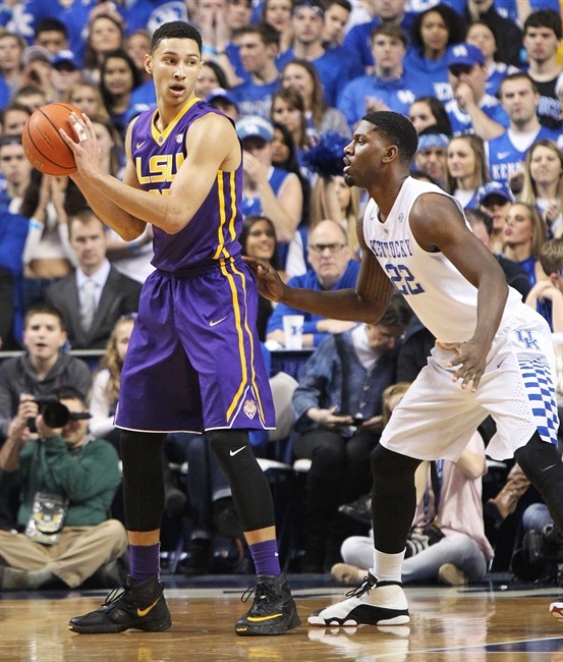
point(498, 189)
point(267, 190)
point(472, 110)
point(65, 71)
point(65, 59)
point(254, 126)
point(495, 200)
point(224, 101)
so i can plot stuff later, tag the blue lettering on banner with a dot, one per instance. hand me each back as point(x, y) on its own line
point(527, 338)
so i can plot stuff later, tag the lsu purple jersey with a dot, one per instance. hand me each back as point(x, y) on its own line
point(194, 361)
point(212, 233)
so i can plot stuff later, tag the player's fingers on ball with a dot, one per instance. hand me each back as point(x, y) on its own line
point(66, 138)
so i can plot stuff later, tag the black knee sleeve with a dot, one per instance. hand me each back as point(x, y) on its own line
point(252, 497)
point(542, 465)
point(143, 484)
point(393, 473)
point(393, 498)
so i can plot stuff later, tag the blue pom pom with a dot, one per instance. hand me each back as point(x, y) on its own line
point(326, 157)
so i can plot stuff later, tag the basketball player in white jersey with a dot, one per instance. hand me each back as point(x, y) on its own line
point(494, 355)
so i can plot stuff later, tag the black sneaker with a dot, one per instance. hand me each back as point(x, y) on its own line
point(273, 611)
point(140, 606)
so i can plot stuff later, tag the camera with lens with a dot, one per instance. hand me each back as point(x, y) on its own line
point(541, 555)
point(55, 414)
point(545, 544)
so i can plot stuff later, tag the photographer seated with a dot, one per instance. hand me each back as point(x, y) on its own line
point(68, 481)
point(44, 367)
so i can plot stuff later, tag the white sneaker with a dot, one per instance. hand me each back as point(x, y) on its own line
point(371, 603)
point(556, 610)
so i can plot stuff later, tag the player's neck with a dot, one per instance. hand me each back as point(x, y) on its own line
point(385, 192)
point(167, 114)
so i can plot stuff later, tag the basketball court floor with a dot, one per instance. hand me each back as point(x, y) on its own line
point(490, 622)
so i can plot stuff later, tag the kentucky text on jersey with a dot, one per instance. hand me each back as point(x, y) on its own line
point(399, 248)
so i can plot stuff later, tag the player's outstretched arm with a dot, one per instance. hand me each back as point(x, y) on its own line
point(438, 225)
point(366, 303)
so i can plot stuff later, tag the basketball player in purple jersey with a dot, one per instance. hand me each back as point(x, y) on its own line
point(499, 351)
point(194, 361)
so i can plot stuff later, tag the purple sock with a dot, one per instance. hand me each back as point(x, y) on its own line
point(266, 558)
point(144, 562)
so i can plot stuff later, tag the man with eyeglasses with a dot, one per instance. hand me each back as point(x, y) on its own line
point(333, 268)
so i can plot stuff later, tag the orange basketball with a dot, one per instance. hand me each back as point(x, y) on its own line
point(42, 143)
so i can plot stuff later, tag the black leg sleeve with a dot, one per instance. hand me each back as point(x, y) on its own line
point(252, 497)
point(143, 483)
point(542, 465)
point(393, 498)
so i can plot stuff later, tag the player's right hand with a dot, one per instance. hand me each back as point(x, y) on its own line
point(468, 360)
point(270, 285)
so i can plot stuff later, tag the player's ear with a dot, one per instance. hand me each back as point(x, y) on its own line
point(390, 154)
point(148, 64)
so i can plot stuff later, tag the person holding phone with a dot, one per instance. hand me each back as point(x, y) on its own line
point(338, 420)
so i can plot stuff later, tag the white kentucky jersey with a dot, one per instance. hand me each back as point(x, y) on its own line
point(443, 299)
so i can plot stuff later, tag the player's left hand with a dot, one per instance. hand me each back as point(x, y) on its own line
point(471, 358)
point(86, 149)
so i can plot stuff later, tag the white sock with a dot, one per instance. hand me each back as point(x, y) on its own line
point(387, 567)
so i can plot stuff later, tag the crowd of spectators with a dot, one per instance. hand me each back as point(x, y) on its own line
point(481, 80)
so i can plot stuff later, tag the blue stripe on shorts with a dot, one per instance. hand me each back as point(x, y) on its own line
point(541, 394)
